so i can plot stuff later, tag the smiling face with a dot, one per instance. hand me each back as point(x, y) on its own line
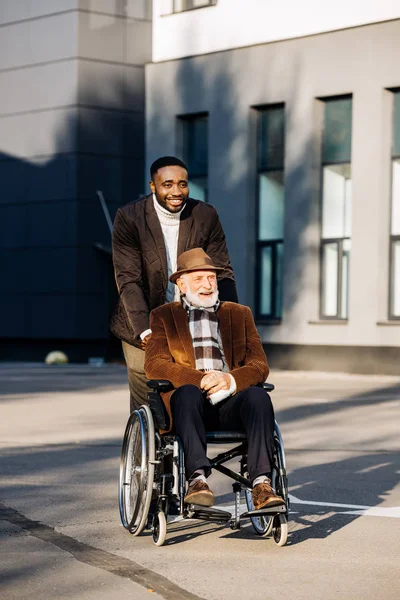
point(170, 187)
point(199, 287)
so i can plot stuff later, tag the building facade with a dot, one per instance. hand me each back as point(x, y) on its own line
point(71, 124)
point(288, 115)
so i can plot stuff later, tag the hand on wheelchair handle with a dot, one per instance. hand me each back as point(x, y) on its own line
point(145, 340)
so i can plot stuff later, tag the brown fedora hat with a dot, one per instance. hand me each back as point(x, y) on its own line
point(193, 260)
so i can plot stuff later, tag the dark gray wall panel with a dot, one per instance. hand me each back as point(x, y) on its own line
point(120, 179)
point(93, 316)
point(51, 178)
point(38, 271)
point(51, 316)
point(108, 85)
point(111, 133)
point(13, 225)
point(13, 316)
point(52, 224)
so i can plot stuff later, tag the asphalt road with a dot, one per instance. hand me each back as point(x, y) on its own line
point(60, 536)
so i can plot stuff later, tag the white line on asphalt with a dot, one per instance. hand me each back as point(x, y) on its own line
point(365, 511)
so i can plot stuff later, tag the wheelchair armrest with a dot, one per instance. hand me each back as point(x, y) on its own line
point(159, 385)
point(156, 405)
point(268, 387)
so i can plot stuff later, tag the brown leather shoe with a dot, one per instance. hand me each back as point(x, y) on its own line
point(265, 497)
point(199, 493)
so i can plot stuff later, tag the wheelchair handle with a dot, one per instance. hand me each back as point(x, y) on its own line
point(268, 387)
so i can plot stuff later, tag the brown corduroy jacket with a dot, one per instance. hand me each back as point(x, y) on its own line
point(170, 355)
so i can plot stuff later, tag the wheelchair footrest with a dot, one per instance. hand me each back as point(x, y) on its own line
point(273, 510)
point(205, 514)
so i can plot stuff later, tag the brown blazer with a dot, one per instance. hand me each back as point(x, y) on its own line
point(170, 355)
point(140, 260)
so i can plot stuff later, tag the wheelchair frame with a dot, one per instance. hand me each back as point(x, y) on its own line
point(146, 493)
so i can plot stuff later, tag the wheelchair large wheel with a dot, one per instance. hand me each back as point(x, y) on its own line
point(137, 470)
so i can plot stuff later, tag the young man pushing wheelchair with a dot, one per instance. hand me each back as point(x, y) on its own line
point(211, 353)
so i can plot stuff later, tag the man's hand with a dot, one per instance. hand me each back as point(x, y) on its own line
point(214, 381)
point(145, 340)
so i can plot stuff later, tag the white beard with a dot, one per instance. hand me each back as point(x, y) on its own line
point(198, 302)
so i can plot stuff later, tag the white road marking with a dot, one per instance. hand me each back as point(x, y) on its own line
point(392, 512)
point(364, 511)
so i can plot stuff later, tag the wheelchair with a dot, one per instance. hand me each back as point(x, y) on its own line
point(152, 481)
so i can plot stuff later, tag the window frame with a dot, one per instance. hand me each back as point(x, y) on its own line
point(339, 240)
point(272, 317)
point(393, 237)
point(177, 11)
point(394, 240)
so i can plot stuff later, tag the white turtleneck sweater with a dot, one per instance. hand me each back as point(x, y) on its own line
point(170, 228)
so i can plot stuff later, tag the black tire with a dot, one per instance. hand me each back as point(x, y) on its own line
point(280, 530)
point(159, 528)
point(137, 470)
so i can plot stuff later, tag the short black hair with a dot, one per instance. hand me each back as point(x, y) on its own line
point(166, 161)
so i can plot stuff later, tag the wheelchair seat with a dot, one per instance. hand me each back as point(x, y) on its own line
point(225, 437)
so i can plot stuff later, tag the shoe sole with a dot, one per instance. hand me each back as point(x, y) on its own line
point(201, 499)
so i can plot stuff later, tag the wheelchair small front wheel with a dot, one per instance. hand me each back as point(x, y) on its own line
point(280, 530)
point(159, 528)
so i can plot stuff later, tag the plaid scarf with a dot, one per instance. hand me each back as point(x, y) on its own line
point(206, 337)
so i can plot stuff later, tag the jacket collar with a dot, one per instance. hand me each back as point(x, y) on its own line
point(154, 226)
point(185, 226)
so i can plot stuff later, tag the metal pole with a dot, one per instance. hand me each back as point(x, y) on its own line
point(105, 210)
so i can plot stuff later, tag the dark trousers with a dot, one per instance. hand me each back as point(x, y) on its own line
point(250, 411)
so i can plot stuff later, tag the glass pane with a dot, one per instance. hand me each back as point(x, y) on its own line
point(336, 201)
point(198, 188)
point(344, 313)
point(337, 131)
point(278, 282)
point(271, 138)
point(396, 279)
point(266, 281)
point(180, 5)
point(396, 125)
point(271, 206)
point(197, 3)
point(195, 145)
point(395, 228)
point(330, 280)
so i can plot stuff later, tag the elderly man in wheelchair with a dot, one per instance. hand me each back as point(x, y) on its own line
point(206, 362)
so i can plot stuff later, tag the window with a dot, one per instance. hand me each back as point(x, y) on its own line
point(336, 208)
point(394, 279)
point(182, 5)
point(194, 150)
point(271, 201)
